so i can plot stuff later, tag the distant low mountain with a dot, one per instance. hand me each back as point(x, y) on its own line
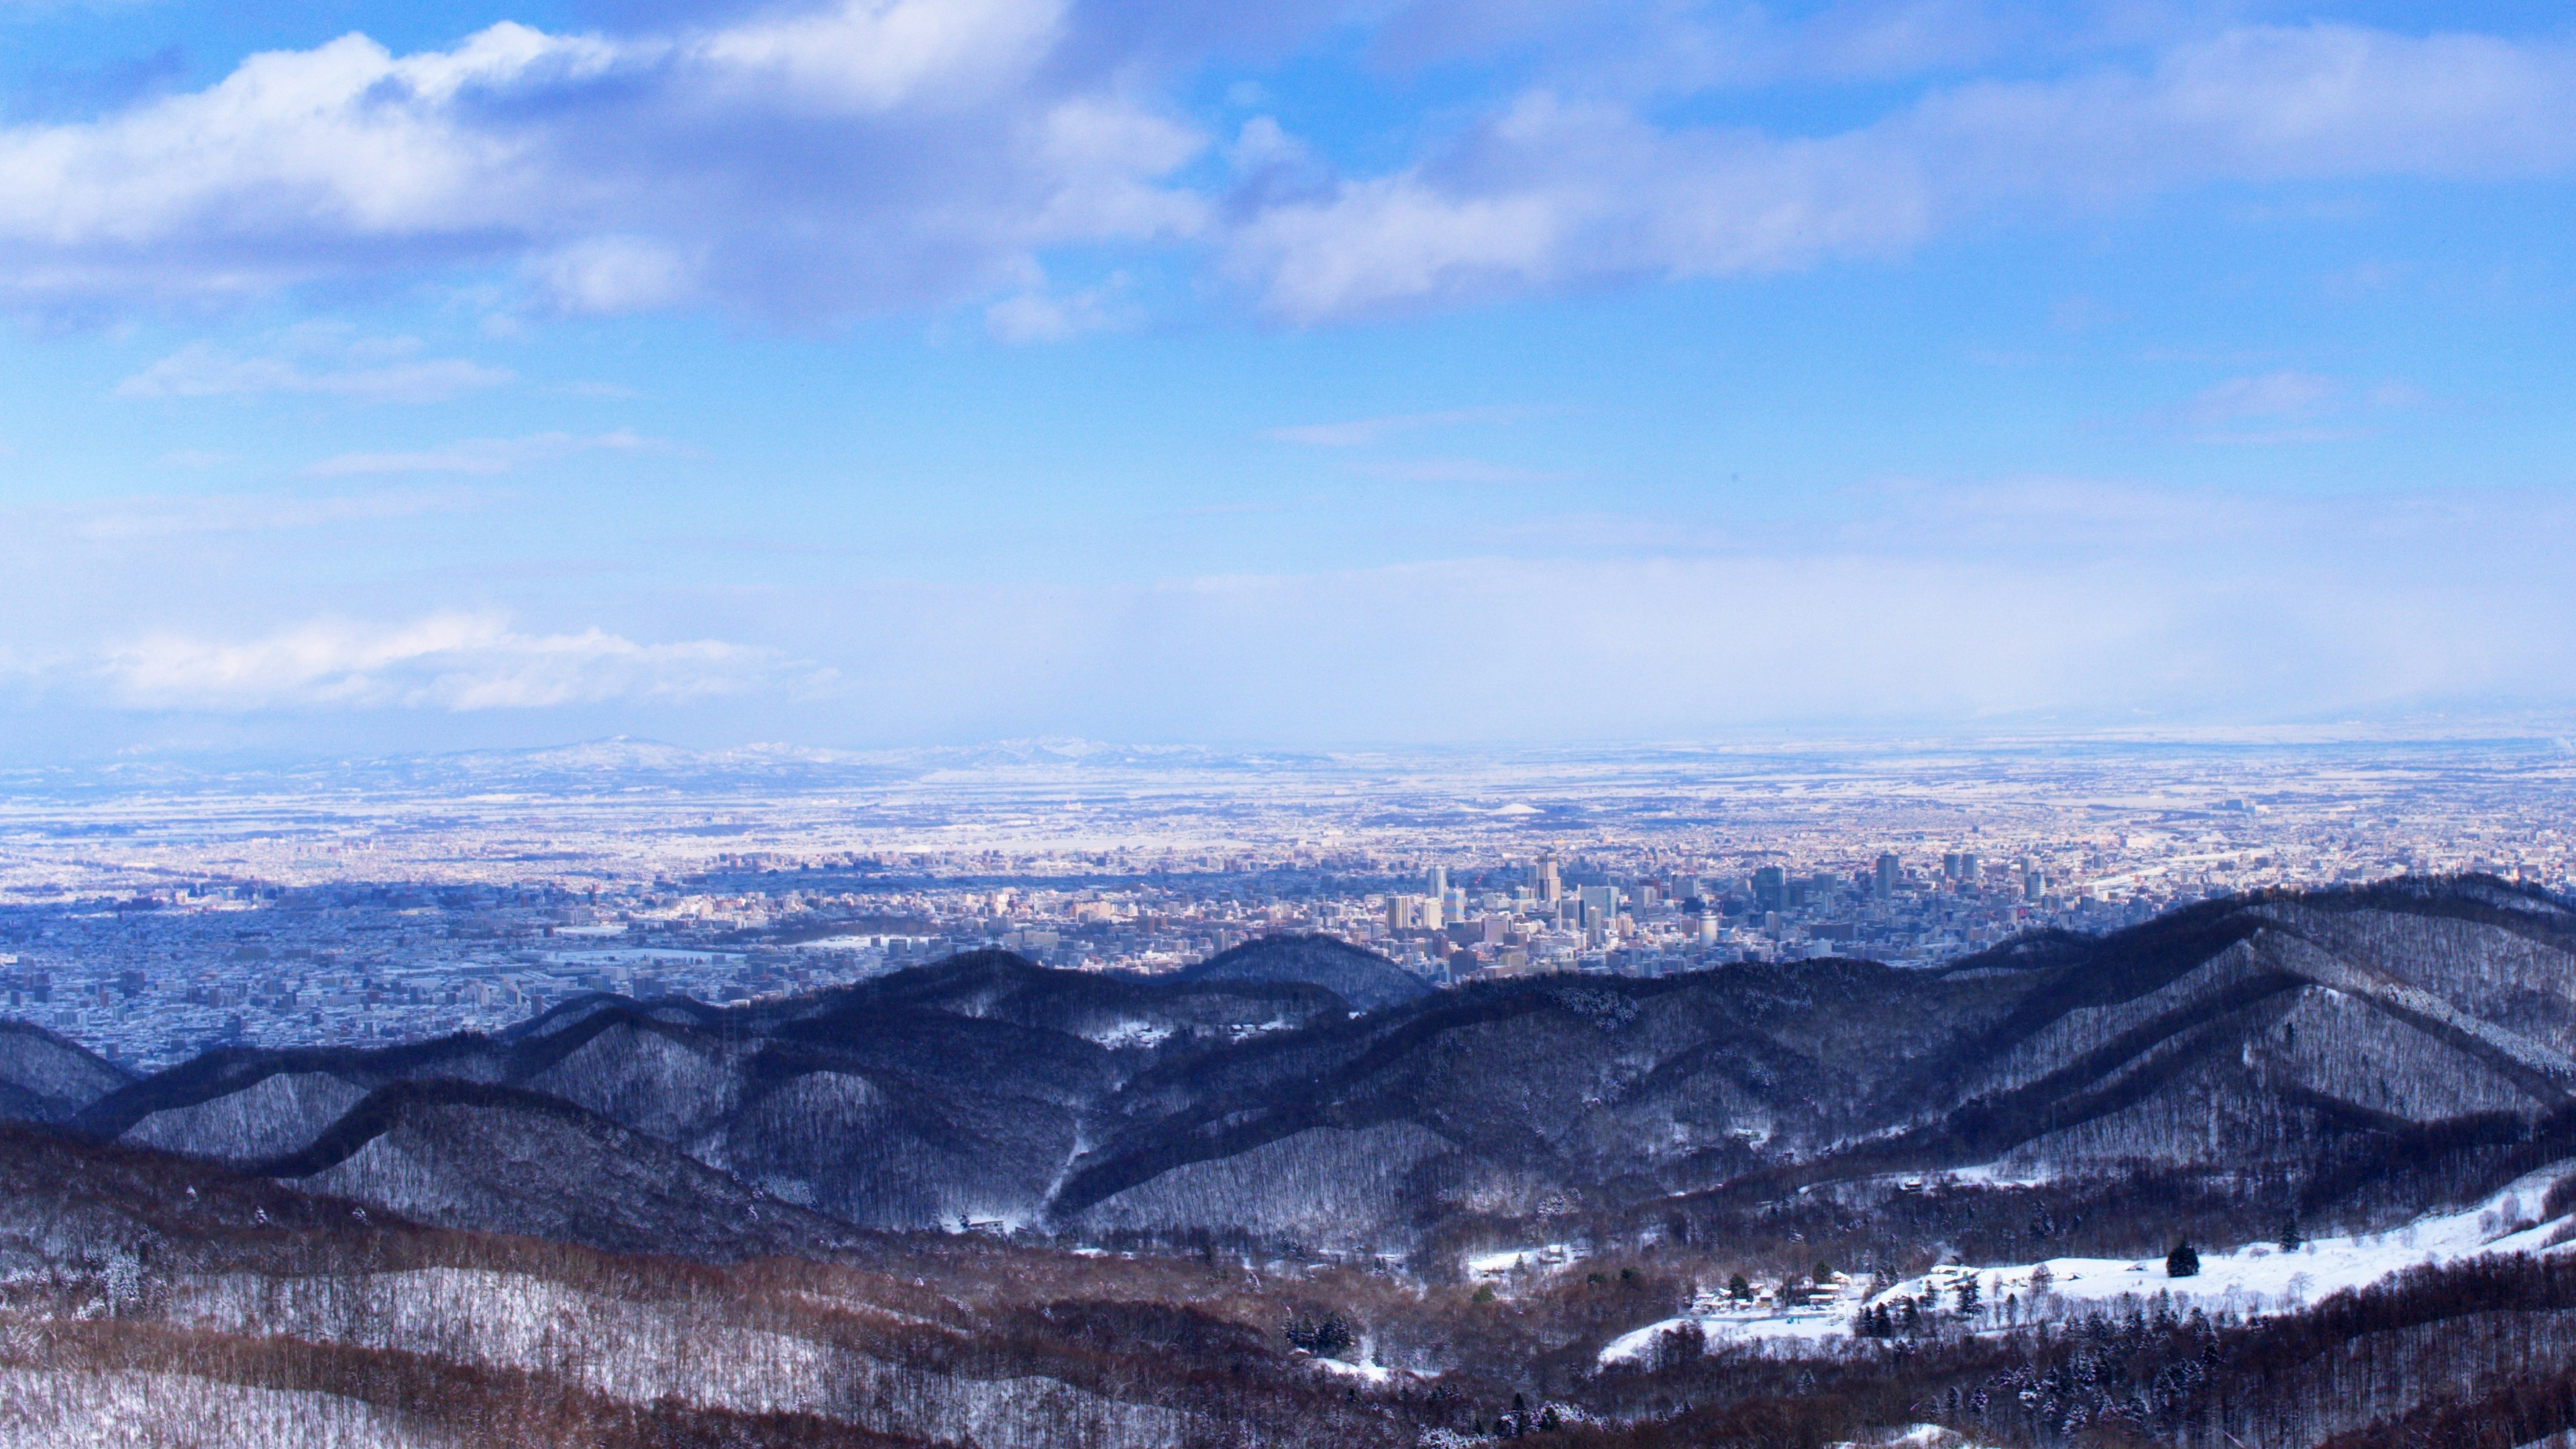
point(1359, 976)
point(2352, 1047)
point(941, 1096)
point(44, 1078)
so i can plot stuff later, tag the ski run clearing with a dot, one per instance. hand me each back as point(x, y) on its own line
point(2256, 1278)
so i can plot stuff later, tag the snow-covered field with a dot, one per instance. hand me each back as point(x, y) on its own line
point(2255, 1278)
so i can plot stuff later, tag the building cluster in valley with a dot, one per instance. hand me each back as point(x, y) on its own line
point(153, 923)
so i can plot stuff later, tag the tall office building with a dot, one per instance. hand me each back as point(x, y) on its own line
point(1770, 888)
point(1600, 905)
point(1435, 881)
point(1889, 871)
point(1968, 867)
point(1543, 878)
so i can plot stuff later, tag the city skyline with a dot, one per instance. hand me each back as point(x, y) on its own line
point(398, 378)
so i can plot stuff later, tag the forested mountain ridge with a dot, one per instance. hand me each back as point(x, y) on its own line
point(44, 1078)
point(669, 1224)
point(2297, 1039)
point(1359, 976)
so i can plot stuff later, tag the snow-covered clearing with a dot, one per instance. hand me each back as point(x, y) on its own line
point(1511, 1260)
point(1131, 1034)
point(2255, 1278)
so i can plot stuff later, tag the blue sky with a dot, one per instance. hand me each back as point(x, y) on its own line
point(392, 377)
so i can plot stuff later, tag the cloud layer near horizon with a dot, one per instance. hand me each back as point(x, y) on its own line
point(2003, 605)
point(867, 156)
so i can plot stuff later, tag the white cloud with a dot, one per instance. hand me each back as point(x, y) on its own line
point(1459, 470)
point(447, 661)
point(612, 274)
point(477, 455)
point(808, 163)
point(1556, 190)
point(821, 160)
point(2272, 395)
point(2284, 406)
point(202, 369)
point(1935, 606)
point(1038, 315)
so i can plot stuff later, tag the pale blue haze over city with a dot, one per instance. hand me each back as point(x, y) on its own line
point(395, 376)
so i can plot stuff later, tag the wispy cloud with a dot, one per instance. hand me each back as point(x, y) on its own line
point(167, 516)
point(484, 456)
point(445, 661)
point(2286, 406)
point(1361, 432)
point(1459, 470)
point(202, 369)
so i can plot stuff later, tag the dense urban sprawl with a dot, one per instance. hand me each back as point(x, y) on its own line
point(154, 922)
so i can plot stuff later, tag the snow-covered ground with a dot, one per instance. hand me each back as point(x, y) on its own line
point(2255, 1278)
point(1913, 1436)
point(1512, 1260)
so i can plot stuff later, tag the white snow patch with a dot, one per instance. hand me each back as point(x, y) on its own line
point(1511, 1260)
point(1995, 1174)
point(1131, 1034)
point(1912, 1436)
point(2254, 1278)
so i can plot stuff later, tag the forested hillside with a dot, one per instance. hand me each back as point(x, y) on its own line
point(2353, 1052)
point(986, 1203)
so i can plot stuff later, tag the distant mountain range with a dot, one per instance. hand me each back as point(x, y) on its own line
point(2348, 1051)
